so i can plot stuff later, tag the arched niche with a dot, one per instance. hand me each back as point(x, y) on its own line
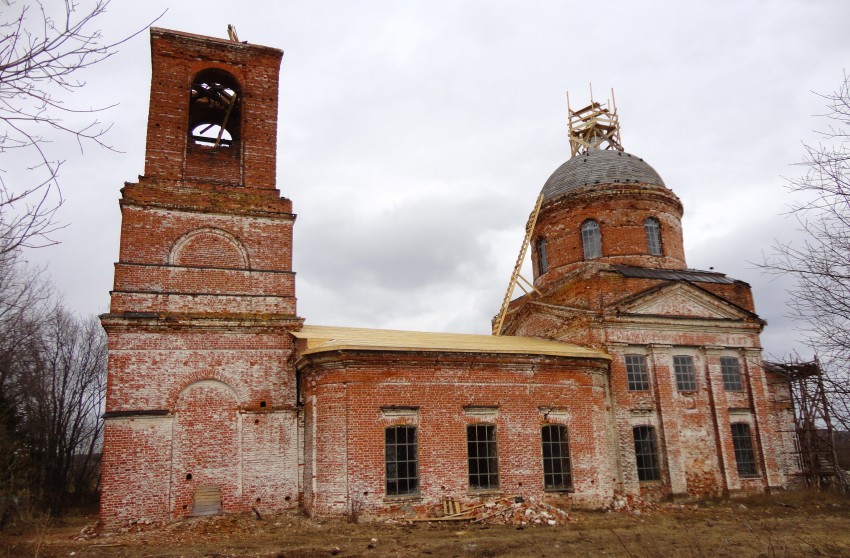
point(206, 457)
point(209, 247)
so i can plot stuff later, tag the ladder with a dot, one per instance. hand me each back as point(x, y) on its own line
point(515, 276)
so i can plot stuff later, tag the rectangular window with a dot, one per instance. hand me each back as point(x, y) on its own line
point(744, 455)
point(686, 375)
point(557, 474)
point(402, 460)
point(636, 373)
point(646, 453)
point(731, 371)
point(482, 456)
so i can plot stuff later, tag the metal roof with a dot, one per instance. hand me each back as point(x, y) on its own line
point(323, 339)
point(599, 167)
point(693, 275)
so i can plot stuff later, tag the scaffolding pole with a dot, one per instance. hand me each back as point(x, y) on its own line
point(815, 437)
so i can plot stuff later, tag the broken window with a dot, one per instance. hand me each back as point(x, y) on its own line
point(591, 239)
point(482, 456)
point(730, 368)
point(653, 236)
point(557, 473)
point(646, 453)
point(744, 455)
point(402, 464)
point(636, 374)
point(686, 376)
point(214, 109)
point(542, 258)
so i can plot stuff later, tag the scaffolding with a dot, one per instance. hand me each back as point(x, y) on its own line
point(595, 126)
point(815, 449)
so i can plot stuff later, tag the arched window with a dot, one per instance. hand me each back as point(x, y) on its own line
point(214, 109)
point(653, 236)
point(591, 239)
point(542, 258)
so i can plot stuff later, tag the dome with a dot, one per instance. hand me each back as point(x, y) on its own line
point(599, 167)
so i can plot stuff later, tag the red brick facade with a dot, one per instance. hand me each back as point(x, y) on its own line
point(359, 395)
point(220, 399)
point(201, 386)
point(627, 301)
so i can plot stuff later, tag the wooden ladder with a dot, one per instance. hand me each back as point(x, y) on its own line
point(515, 276)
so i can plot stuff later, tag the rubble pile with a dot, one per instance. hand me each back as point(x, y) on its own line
point(629, 503)
point(87, 533)
point(514, 510)
point(521, 511)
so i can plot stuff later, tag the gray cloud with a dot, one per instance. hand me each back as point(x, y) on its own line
point(414, 137)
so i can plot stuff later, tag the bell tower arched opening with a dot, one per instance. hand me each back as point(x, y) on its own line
point(214, 147)
point(215, 109)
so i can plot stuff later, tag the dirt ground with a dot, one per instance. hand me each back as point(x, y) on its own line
point(786, 525)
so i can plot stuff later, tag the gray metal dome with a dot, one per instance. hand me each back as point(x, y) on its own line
point(599, 167)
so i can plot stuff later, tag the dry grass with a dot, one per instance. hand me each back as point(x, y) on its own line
point(788, 525)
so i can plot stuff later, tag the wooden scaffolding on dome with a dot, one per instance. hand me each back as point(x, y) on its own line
point(595, 126)
point(592, 127)
point(815, 448)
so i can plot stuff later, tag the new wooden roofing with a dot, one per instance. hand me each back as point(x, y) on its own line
point(320, 339)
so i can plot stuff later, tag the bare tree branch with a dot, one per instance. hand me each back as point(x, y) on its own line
point(42, 53)
point(821, 264)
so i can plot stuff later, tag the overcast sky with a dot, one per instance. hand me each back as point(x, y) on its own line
point(414, 137)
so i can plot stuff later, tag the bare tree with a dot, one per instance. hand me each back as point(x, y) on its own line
point(63, 404)
point(25, 299)
point(41, 56)
point(821, 263)
point(52, 389)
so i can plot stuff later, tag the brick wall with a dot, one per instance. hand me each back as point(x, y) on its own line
point(620, 210)
point(349, 402)
point(135, 477)
point(588, 302)
point(693, 427)
point(176, 59)
point(201, 387)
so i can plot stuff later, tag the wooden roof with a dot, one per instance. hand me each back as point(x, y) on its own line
point(318, 339)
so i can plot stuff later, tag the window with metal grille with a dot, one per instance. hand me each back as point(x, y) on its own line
point(591, 239)
point(646, 453)
point(482, 456)
point(653, 236)
point(636, 373)
point(686, 376)
point(730, 368)
point(400, 450)
point(542, 258)
point(557, 474)
point(744, 455)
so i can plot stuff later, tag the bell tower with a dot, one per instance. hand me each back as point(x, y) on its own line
point(201, 411)
point(213, 111)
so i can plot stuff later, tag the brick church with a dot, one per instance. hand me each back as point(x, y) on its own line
point(623, 372)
